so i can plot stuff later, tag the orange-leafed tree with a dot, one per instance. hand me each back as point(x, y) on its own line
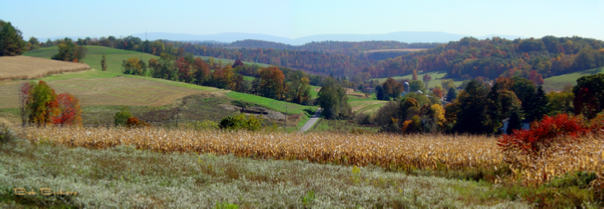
point(185, 74)
point(438, 92)
point(42, 104)
point(70, 110)
point(536, 78)
point(271, 83)
point(504, 82)
point(201, 71)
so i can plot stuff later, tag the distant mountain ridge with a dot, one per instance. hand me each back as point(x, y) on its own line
point(407, 36)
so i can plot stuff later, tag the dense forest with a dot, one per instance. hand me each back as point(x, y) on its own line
point(467, 58)
point(490, 58)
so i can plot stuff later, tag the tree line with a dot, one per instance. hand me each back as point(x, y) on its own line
point(352, 48)
point(481, 107)
point(271, 82)
point(530, 58)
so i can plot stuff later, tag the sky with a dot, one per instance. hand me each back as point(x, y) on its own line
point(295, 19)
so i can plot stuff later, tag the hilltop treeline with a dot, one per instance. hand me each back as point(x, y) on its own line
point(470, 57)
point(343, 47)
point(534, 59)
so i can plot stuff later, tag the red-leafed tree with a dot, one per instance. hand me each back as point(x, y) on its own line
point(201, 71)
point(536, 78)
point(238, 63)
point(70, 111)
point(437, 92)
point(185, 73)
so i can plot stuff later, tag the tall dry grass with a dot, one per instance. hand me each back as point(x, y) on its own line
point(24, 67)
point(425, 152)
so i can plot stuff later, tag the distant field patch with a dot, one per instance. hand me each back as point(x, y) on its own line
point(366, 106)
point(230, 61)
point(556, 83)
point(394, 50)
point(432, 83)
point(110, 91)
point(24, 67)
point(114, 57)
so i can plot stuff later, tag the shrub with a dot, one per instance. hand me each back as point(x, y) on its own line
point(239, 121)
point(203, 125)
point(134, 122)
point(363, 119)
point(5, 134)
point(121, 118)
point(543, 134)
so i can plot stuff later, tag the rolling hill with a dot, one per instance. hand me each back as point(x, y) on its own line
point(403, 36)
point(102, 91)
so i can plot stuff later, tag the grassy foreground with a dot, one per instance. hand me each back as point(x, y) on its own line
point(126, 177)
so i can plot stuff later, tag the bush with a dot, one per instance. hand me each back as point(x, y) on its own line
point(363, 119)
point(309, 111)
point(203, 125)
point(239, 121)
point(121, 118)
point(5, 134)
point(543, 134)
point(134, 122)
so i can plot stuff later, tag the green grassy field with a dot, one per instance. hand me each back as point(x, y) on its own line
point(432, 83)
point(556, 83)
point(93, 58)
point(230, 61)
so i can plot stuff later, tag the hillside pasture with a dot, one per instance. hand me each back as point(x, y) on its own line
point(367, 107)
point(230, 61)
point(110, 91)
point(556, 83)
point(114, 57)
point(432, 83)
point(24, 67)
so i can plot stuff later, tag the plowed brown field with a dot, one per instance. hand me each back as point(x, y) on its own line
point(24, 67)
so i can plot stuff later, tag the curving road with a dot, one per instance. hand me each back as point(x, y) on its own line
point(312, 121)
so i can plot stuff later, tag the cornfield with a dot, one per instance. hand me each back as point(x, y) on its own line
point(427, 152)
point(24, 67)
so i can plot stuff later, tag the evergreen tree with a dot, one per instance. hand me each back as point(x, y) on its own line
point(515, 122)
point(451, 94)
point(379, 92)
point(494, 108)
point(537, 106)
point(472, 117)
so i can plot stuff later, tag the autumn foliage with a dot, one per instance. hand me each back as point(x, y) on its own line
point(134, 122)
point(70, 111)
point(544, 134)
point(43, 106)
